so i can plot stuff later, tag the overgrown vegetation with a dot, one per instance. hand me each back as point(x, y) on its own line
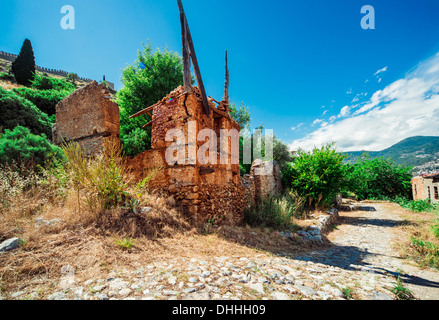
point(18, 111)
point(276, 212)
point(378, 178)
point(151, 77)
point(317, 176)
point(21, 146)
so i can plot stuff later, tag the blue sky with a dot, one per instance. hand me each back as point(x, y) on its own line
point(304, 68)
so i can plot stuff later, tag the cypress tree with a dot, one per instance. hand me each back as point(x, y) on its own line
point(23, 67)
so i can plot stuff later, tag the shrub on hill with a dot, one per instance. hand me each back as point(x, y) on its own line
point(41, 82)
point(18, 111)
point(21, 146)
point(45, 100)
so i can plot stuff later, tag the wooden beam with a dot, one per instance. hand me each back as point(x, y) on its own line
point(144, 111)
point(195, 61)
point(147, 125)
point(226, 86)
point(187, 79)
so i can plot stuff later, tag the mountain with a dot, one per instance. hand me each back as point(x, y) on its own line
point(420, 151)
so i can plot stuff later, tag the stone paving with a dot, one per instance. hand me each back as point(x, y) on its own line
point(358, 265)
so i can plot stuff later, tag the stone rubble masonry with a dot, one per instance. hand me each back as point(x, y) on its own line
point(265, 182)
point(204, 192)
point(87, 116)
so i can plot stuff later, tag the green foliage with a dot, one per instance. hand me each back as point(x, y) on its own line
point(275, 212)
point(427, 251)
point(401, 292)
point(435, 230)
point(72, 77)
point(126, 243)
point(102, 178)
point(18, 111)
point(23, 67)
point(6, 76)
point(240, 115)
point(414, 205)
point(163, 72)
point(45, 100)
point(378, 177)
point(20, 145)
point(42, 82)
point(317, 176)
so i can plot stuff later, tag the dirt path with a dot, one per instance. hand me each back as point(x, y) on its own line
point(364, 240)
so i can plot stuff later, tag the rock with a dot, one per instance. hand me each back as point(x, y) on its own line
point(170, 292)
point(306, 290)
point(17, 294)
point(258, 287)
point(193, 280)
point(57, 296)
point(118, 284)
point(68, 270)
point(125, 292)
point(377, 295)
point(189, 290)
point(41, 222)
point(10, 244)
point(102, 296)
point(280, 296)
point(145, 210)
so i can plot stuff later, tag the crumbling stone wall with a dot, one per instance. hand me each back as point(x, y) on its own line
point(203, 191)
point(87, 116)
point(264, 180)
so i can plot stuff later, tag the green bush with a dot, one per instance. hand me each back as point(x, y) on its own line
point(42, 82)
point(18, 111)
point(415, 205)
point(45, 100)
point(23, 67)
point(6, 76)
point(274, 212)
point(21, 146)
point(317, 176)
point(378, 177)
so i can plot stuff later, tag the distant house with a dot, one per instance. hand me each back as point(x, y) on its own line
point(426, 187)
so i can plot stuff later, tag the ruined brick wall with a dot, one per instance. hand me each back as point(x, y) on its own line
point(87, 116)
point(211, 191)
point(426, 188)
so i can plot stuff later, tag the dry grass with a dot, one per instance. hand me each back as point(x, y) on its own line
point(417, 226)
point(87, 240)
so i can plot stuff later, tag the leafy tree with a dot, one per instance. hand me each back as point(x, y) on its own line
point(317, 175)
point(240, 115)
point(151, 77)
point(20, 145)
point(379, 178)
point(18, 111)
point(24, 66)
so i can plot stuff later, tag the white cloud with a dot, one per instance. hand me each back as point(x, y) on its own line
point(405, 108)
point(324, 112)
point(316, 121)
point(344, 112)
point(297, 127)
point(380, 71)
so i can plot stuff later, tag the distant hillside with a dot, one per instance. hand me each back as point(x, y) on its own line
point(420, 152)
